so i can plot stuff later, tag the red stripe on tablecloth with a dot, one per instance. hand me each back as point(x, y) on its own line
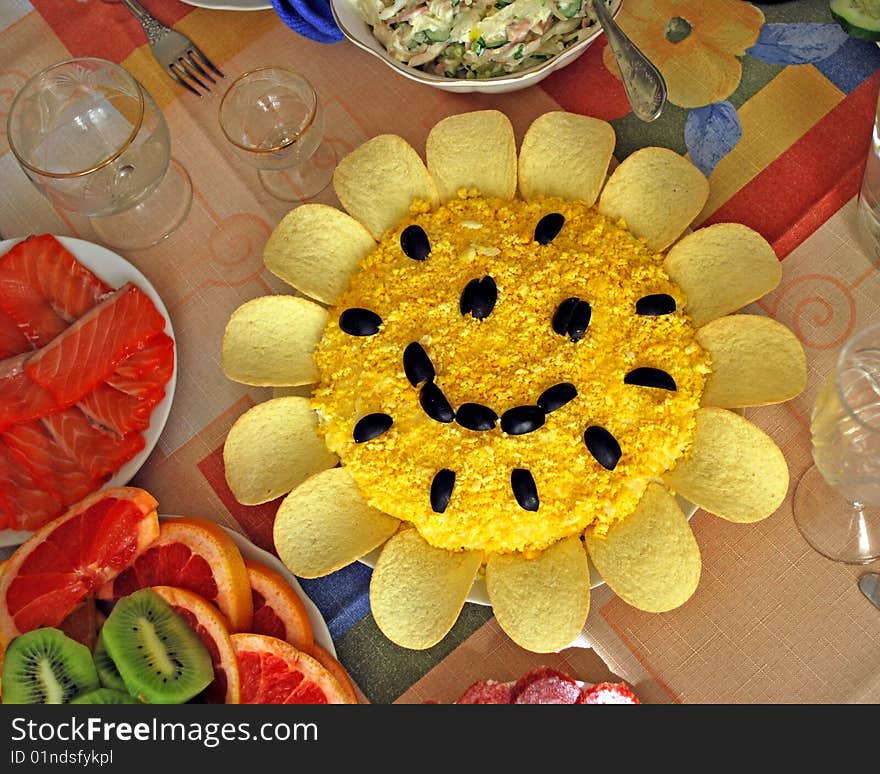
point(814, 178)
point(106, 30)
point(587, 87)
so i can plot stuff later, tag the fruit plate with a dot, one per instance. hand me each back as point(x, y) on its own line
point(249, 551)
point(115, 271)
point(478, 594)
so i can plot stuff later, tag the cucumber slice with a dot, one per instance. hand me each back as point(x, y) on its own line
point(571, 8)
point(437, 36)
point(860, 18)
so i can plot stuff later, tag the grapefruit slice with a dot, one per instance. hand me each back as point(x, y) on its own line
point(208, 622)
point(197, 555)
point(336, 669)
point(278, 610)
point(70, 557)
point(274, 672)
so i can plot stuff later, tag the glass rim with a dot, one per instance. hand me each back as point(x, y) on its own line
point(838, 366)
point(104, 162)
point(275, 148)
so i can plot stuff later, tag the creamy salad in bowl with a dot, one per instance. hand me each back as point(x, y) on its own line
point(477, 39)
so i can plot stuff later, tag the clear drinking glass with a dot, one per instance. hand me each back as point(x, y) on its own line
point(274, 120)
point(94, 142)
point(837, 502)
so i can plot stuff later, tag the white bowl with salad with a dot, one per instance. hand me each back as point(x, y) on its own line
point(488, 46)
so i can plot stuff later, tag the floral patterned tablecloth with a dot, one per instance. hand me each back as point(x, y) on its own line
point(774, 103)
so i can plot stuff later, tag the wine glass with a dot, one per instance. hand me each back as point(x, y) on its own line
point(837, 502)
point(94, 142)
point(274, 121)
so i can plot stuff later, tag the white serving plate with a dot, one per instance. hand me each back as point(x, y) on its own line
point(230, 5)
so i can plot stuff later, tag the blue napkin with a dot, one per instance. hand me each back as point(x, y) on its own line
point(310, 18)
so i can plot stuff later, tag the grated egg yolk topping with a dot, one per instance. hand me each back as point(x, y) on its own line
point(459, 486)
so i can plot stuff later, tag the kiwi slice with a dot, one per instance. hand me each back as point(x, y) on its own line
point(159, 656)
point(105, 696)
point(108, 674)
point(45, 666)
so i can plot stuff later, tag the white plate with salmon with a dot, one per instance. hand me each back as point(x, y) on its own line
point(88, 367)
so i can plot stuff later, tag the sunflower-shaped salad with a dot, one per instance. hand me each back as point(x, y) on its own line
point(517, 364)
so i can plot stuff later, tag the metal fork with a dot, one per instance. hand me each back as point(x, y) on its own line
point(182, 58)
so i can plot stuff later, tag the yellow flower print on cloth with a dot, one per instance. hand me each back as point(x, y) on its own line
point(516, 364)
point(694, 44)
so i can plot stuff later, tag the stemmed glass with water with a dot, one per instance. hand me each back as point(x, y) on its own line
point(837, 502)
point(93, 141)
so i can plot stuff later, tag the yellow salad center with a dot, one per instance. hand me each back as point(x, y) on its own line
point(507, 360)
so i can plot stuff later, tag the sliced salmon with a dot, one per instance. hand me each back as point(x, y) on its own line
point(23, 502)
point(101, 453)
point(147, 370)
point(48, 463)
point(29, 309)
point(124, 403)
point(21, 399)
point(118, 411)
point(65, 337)
point(47, 266)
point(84, 355)
point(12, 340)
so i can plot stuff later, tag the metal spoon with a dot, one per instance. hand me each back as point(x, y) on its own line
point(643, 83)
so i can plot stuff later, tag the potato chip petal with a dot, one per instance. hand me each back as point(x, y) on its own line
point(417, 591)
point(272, 448)
point(756, 361)
point(721, 268)
point(734, 469)
point(268, 341)
point(378, 182)
point(541, 603)
point(475, 150)
point(657, 192)
point(315, 248)
point(565, 155)
point(650, 559)
point(325, 524)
